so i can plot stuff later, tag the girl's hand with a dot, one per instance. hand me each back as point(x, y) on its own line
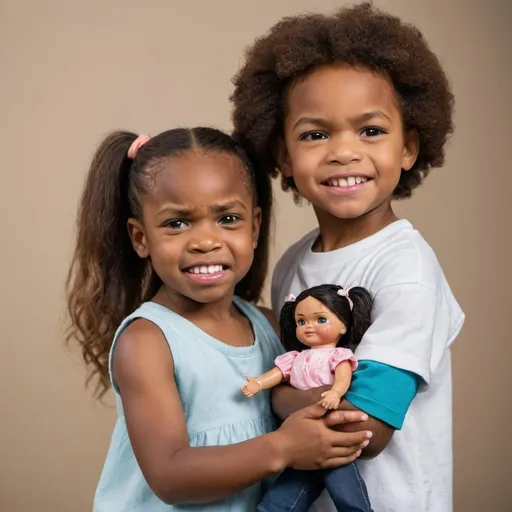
point(308, 442)
point(253, 387)
point(330, 399)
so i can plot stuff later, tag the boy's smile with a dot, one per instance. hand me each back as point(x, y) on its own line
point(344, 142)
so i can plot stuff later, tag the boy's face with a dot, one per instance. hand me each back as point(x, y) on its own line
point(344, 143)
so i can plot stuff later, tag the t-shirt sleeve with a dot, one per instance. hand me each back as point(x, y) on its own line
point(383, 391)
point(402, 331)
point(285, 363)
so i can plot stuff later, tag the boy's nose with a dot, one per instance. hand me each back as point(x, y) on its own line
point(344, 150)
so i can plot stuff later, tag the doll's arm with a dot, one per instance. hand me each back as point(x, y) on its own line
point(342, 376)
point(268, 380)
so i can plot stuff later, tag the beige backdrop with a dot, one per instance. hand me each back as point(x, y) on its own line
point(73, 70)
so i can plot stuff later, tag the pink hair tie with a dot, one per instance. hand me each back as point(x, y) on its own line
point(343, 292)
point(290, 298)
point(136, 144)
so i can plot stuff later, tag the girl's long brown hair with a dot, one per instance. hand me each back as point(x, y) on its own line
point(107, 280)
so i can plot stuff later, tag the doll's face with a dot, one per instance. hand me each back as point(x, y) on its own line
point(317, 325)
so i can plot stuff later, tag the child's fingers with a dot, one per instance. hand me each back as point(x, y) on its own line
point(349, 439)
point(338, 417)
point(342, 461)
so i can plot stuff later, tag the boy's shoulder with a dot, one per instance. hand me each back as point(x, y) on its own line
point(398, 254)
point(404, 258)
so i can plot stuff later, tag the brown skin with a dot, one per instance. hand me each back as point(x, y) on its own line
point(286, 400)
point(144, 368)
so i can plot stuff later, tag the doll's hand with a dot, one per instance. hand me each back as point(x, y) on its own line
point(330, 399)
point(253, 387)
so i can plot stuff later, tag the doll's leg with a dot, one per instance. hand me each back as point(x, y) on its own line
point(293, 491)
point(347, 489)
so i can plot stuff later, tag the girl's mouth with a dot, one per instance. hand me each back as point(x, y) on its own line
point(206, 273)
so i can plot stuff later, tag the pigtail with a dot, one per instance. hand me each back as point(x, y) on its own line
point(361, 316)
point(107, 279)
point(288, 327)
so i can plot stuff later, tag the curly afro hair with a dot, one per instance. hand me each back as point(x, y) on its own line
point(360, 36)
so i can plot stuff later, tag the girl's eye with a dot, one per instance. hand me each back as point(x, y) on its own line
point(313, 136)
point(322, 320)
point(301, 322)
point(372, 132)
point(229, 220)
point(176, 224)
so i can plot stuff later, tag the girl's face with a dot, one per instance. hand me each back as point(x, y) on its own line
point(199, 225)
point(317, 325)
point(344, 141)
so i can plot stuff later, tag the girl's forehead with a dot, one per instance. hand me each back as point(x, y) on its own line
point(198, 175)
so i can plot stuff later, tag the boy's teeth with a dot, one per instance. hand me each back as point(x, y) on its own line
point(349, 181)
point(203, 269)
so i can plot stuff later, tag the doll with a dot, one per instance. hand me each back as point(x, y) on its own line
point(320, 329)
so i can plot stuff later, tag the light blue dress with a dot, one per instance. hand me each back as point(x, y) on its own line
point(209, 375)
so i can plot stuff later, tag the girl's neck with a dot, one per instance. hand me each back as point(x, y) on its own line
point(336, 233)
point(221, 309)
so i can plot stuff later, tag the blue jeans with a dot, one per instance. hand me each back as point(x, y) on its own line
point(295, 491)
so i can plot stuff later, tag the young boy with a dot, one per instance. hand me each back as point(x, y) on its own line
point(353, 110)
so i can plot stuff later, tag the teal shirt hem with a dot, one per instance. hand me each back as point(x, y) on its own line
point(383, 391)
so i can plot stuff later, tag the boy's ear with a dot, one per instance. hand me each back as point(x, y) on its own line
point(411, 149)
point(283, 158)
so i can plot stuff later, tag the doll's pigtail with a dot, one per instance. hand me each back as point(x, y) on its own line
point(288, 327)
point(361, 315)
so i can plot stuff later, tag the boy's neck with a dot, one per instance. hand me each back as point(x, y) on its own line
point(336, 233)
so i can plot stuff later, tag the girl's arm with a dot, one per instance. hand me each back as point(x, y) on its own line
point(178, 473)
point(342, 376)
point(286, 400)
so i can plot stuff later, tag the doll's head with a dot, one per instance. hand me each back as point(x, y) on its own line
point(325, 315)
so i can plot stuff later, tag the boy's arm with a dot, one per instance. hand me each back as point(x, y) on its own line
point(383, 392)
point(286, 400)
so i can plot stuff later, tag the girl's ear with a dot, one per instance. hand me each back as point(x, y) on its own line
point(411, 149)
point(283, 158)
point(138, 238)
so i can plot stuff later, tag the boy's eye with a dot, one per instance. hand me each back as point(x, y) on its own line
point(176, 224)
point(372, 132)
point(322, 320)
point(229, 220)
point(301, 322)
point(312, 136)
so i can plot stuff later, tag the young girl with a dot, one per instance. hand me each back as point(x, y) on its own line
point(354, 111)
point(169, 239)
point(329, 321)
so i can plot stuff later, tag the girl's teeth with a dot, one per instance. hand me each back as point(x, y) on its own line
point(203, 269)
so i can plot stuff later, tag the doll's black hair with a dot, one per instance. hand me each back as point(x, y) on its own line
point(356, 320)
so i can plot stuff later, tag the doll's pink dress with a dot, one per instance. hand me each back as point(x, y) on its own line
point(315, 367)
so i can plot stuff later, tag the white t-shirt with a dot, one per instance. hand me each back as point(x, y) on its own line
point(415, 318)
